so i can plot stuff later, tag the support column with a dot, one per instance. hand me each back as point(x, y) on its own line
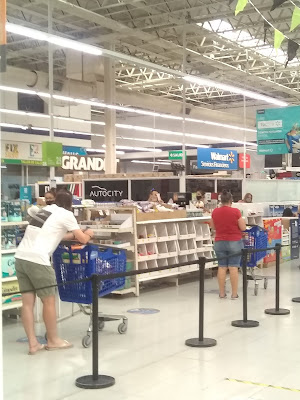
point(182, 179)
point(2, 36)
point(110, 115)
point(50, 72)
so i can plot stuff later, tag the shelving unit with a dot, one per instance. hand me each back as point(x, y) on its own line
point(10, 280)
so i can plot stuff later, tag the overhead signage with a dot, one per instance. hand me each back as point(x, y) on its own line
point(52, 154)
point(22, 162)
point(77, 163)
point(244, 160)
point(217, 159)
point(176, 155)
point(106, 191)
point(21, 151)
point(74, 151)
point(26, 193)
point(278, 130)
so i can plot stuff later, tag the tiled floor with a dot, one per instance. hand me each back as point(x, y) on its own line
point(152, 362)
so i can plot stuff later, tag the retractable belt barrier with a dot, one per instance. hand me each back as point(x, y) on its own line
point(96, 381)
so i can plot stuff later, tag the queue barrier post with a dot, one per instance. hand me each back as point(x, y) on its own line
point(200, 341)
point(277, 310)
point(245, 323)
point(95, 381)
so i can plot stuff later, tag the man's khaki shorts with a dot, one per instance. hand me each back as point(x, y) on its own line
point(32, 277)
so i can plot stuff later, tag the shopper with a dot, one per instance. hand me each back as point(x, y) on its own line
point(47, 228)
point(288, 213)
point(229, 225)
point(248, 198)
point(50, 197)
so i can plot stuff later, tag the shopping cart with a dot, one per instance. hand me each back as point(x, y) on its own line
point(79, 262)
point(257, 238)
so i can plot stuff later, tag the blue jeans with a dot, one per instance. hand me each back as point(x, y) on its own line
point(224, 248)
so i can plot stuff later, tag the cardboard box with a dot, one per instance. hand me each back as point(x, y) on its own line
point(68, 178)
point(155, 216)
point(80, 176)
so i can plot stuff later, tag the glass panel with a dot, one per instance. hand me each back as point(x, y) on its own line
point(140, 189)
point(233, 186)
point(262, 191)
point(207, 185)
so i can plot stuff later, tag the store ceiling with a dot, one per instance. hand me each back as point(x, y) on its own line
point(154, 30)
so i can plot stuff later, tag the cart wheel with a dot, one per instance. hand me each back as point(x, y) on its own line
point(86, 341)
point(122, 328)
point(256, 289)
point(265, 283)
point(101, 325)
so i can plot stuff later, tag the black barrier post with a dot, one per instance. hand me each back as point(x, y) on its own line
point(277, 310)
point(245, 323)
point(200, 341)
point(95, 381)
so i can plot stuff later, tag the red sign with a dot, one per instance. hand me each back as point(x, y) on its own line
point(242, 162)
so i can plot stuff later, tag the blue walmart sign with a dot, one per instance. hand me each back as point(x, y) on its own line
point(217, 159)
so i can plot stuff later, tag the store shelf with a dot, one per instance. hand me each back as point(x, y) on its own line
point(20, 223)
point(11, 306)
point(147, 258)
point(9, 279)
point(125, 291)
point(173, 220)
point(8, 251)
point(154, 275)
point(111, 230)
point(147, 240)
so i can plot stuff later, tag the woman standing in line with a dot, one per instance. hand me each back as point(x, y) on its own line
point(229, 225)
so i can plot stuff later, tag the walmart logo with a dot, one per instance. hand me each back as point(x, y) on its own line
point(223, 157)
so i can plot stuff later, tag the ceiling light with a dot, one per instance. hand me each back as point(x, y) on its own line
point(137, 148)
point(104, 151)
point(54, 39)
point(149, 162)
point(234, 89)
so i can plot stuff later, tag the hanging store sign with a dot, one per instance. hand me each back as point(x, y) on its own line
point(77, 163)
point(52, 154)
point(176, 155)
point(217, 159)
point(244, 162)
point(74, 151)
point(278, 130)
point(106, 191)
point(19, 152)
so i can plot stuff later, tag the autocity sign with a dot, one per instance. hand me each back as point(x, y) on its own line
point(106, 191)
point(77, 163)
point(217, 159)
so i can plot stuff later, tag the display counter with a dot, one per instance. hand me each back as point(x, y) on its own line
point(151, 242)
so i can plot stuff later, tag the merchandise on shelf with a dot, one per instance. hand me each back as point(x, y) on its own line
point(10, 287)
point(8, 265)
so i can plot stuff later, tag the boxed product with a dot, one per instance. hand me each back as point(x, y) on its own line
point(8, 265)
point(80, 176)
point(14, 211)
point(68, 178)
point(4, 211)
point(10, 287)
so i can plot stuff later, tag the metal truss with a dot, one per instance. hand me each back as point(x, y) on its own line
point(171, 33)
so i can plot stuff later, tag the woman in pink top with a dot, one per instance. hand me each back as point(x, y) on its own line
point(228, 224)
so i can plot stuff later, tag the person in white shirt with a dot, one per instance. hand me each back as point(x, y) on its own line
point(47, 228)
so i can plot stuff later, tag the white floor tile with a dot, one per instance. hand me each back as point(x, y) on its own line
point(152, 362)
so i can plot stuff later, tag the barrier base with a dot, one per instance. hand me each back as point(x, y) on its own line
point(206, 342)
point(245, 324)
point(280, 311)
point(296, 299)
point(88, 382)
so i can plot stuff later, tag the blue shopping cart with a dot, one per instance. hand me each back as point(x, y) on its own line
point(257, 238)
point(73, 262)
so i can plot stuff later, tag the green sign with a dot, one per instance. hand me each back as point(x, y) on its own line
point(20, 162)
point(176, 155)
point(278, 130)
point(52, 154)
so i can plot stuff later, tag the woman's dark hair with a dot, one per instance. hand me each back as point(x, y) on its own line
point(64, 199)
point(226, 197)
point(288, 213)
point(52, 191)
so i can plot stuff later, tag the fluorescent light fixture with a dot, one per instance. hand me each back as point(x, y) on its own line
point(3, 166)
point(54, 39)
point(149, 162)
point(104, 151)
point(137, 148)
point(133, 127)
point(16, 126)
point(233, 89)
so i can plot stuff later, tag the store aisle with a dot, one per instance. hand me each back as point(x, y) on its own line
point(151, 360)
